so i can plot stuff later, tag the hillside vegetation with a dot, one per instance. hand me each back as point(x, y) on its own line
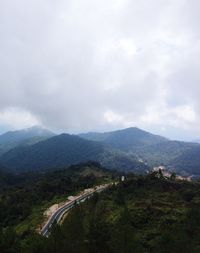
point(64, 150)
point(129, 149)
point(153, 149)
point(126, 139)
point(24, 199)
point(144, 214)
point(56, 152)
point(20, 194)
point(23, 137)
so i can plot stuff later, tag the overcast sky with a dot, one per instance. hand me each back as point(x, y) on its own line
point(91, 65)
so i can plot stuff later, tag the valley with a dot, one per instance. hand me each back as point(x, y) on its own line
point(42, 182)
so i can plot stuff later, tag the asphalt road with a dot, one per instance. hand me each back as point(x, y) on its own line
point(57, 216)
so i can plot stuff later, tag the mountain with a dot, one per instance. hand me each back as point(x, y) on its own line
point(152, 149)
point(87, 169)
point(126, 139)
point(27, 136)
point(164, 153)
point(188, 161)
point(58, 151)
point(129, 149)
point(64, 150)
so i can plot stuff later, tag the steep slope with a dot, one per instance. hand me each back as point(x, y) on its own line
point(27, 136)
point(56, 152)
point(63, 150)
point(153, 149)
point(130, 149)
point(188, 161)
point(164, 152)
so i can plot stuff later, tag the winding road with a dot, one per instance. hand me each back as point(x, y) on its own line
point(58, 214)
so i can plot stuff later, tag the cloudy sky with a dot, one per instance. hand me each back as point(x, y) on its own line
point(85, 65)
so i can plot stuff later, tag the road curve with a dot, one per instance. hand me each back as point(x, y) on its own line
point(58, 214)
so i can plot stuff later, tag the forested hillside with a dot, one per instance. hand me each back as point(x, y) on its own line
point(126, 139)
point(24, 199)
point(153, 149)
point(144, 214)
point(64, 150)
point(12, 139)
point(129, 149)
point(189, 161)
point(56, 152)
point(141, 215)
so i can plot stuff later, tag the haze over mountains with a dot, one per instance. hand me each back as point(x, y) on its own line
point(128, 149)
point(197, 141)
point(127, 139)
point(27, 136)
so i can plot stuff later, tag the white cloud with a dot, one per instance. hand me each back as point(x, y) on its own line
point(15, 118)
point(186, 113)
point(64, 63)
point(112, 117)
point(156, 114)
point(128, 47)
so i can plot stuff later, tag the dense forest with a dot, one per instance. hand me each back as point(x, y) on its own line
point(130, 149)
point(64, 150)
point(143, 214)
point(24, 198)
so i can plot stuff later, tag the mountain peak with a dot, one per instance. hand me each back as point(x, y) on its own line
point(12, 139)
point(38, 130)
point(126, 139)
point(34, 130)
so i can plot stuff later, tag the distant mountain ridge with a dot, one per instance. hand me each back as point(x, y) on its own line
point(59, 151)
point(153, 149)
point(130, 149)
point(27, 136)
point(64, 150)
point(126, 139)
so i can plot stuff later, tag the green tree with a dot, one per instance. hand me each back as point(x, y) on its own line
point(73, 232)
